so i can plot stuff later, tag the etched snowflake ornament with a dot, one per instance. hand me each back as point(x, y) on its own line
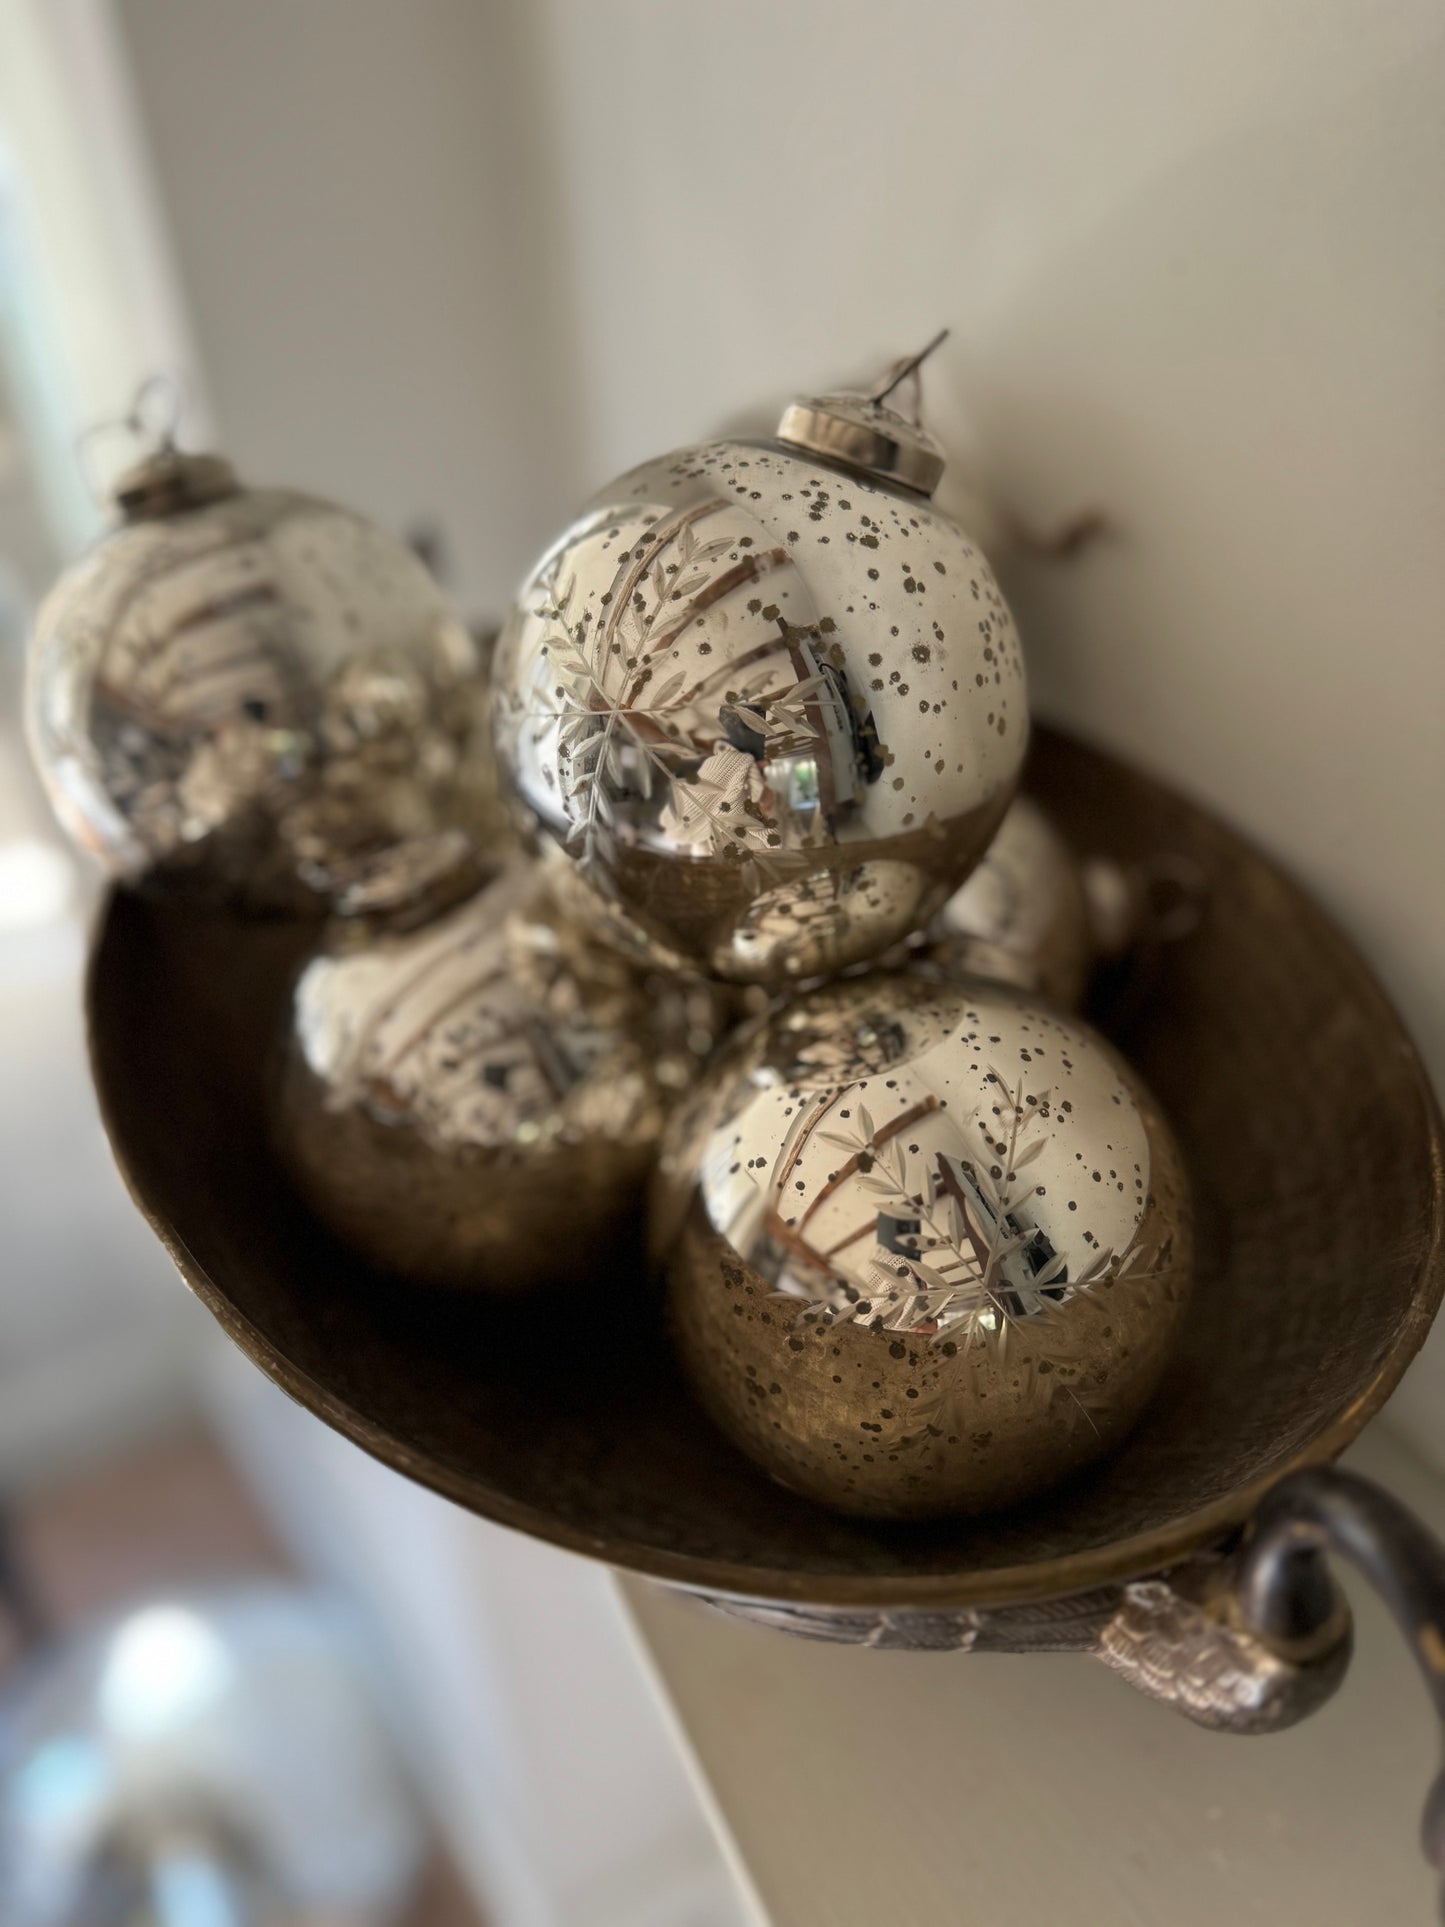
point(928, 1245)
point(768, 711)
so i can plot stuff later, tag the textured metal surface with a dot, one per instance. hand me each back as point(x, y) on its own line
point(1178, 1639)
point(477, 1103)
point(928, 1245)
point(262, 700)
point(695, 700)
point(1308, 1129)
point(1071, 1625)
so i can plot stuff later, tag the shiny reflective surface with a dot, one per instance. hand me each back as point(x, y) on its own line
point(864, 434)
point(771, 710)
point(475, 1103)
point(927, 1245)
point(265, 700)
point(1022, 917)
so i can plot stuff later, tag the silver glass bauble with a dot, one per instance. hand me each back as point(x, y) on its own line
point(1022, 917)
point(476, 1103)
point(927, 1244)
point(767, 702)
point(256, 696)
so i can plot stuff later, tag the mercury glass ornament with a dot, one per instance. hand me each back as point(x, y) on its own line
point(765, 698)
point(927, 1244)
point(1023, 917)
point(477, 1103)
point(256, 696)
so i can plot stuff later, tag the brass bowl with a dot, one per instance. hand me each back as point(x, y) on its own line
point(1314, 1143)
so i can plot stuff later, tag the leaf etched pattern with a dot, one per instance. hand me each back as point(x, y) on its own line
point(629, 729)
point(958, 1257)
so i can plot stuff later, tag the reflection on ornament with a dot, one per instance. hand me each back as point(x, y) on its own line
point(928, 1245)
point(476, 1103)
point(1022, 917)
point(767, 700)
point(257, 696)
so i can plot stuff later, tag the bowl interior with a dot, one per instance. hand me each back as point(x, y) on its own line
point(1311, 1136)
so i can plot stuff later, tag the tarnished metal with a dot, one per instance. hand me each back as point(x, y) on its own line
point(771, 708)
point(928, 1245)
point(1180, 1638)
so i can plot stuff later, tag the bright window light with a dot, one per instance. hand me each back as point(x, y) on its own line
point(35, 884)
point(164, 1667)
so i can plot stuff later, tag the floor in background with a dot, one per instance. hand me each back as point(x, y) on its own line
point(169, 1513)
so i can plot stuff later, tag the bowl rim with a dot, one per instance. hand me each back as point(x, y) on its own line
point(1111, 1563)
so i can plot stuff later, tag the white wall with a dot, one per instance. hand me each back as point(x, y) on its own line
point(88, 304)
point(95, 1340)
point(354, 189)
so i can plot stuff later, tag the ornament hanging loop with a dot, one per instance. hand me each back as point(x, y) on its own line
point(155, 412)
point(150, 423)
point(856, 430)
point(162, 479)
point(898, 373)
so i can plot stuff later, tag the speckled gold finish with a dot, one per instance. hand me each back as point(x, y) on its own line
point(928, 1246)
point(1022, 917)
point(257, 697)
point(475, 1103)
point(770, 708)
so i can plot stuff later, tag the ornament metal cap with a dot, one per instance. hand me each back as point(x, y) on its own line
point(168, 481)
point(859, 432)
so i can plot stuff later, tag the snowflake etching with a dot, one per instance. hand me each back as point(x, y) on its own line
point(930, 1244)
point(629, 731)
point(957, 1253)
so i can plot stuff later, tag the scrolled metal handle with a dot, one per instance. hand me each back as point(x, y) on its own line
point(1283, 1573)
point(1252, 1640)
